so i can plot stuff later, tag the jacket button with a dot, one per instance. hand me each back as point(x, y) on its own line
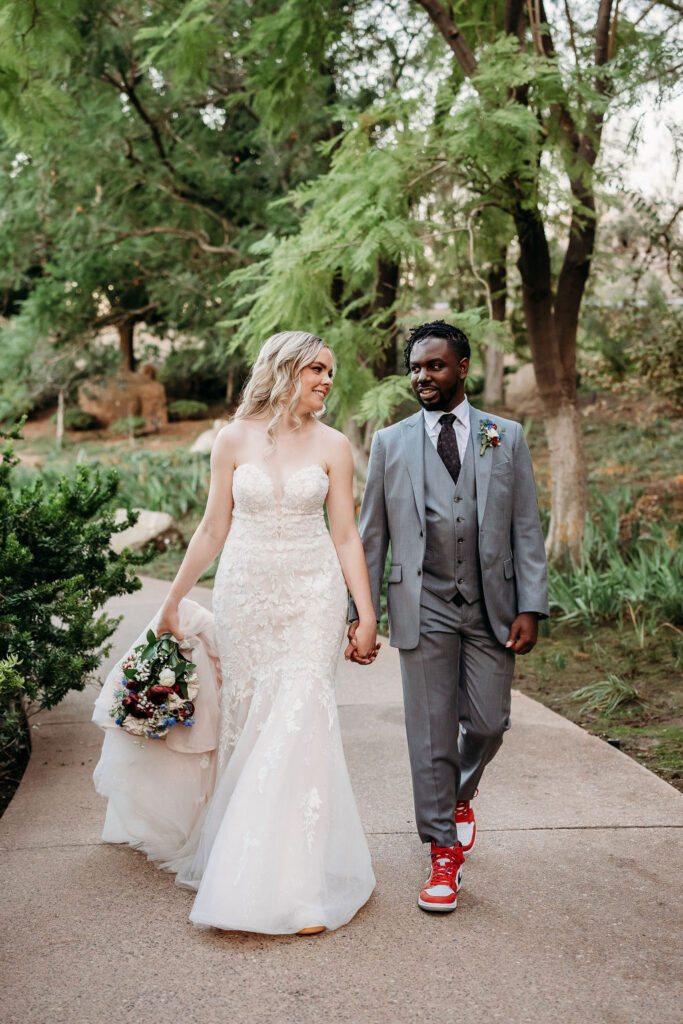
point(460, 561)
point(421, 533)
point(460, 519)
point(457, 499)
point(460, 540)
point(461, 580)
point(419, 572)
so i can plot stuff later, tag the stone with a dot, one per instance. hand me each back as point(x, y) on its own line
point(521, 392)
point(127, 394)
point(204, 442)
point(152, 527)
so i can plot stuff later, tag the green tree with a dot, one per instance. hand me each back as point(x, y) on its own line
point(508, 118)
point(140, 168)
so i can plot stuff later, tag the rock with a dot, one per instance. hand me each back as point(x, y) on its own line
point(152, 527)
point(521, 392)
point(127, 394)
point(204, 442)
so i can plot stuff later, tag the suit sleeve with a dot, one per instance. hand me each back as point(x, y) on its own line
point(372, 524)
point(528, 547)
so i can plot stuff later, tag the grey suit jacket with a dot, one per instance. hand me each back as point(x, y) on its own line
point(511, 548)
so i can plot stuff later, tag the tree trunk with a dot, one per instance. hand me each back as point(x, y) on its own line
point(568, 488)
point(60, 417)
point(493, 381)
point(557, 388)
point(230, 387)
point(125, 329)
point(385, 297)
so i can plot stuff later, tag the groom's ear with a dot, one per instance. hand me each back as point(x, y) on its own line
point(463, 368)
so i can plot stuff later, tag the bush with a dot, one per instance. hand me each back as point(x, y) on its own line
point(129, 425)
point(195, 373)
point(186, 409)
point(56, 570)
point(77, 419)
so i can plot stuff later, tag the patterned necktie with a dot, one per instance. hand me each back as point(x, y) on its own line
point(447, 445)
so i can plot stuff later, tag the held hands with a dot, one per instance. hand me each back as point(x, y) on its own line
point(523, 633)
point(363, 646)
point(169, 621)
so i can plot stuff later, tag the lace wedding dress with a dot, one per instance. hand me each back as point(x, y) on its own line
point(280, 845)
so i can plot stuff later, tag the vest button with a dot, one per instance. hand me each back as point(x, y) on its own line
point(460, 519)
point(421, 533)
point(457, 499)
point(461, 580)
point(460, 540)
point(460, 561)
point(419, 572)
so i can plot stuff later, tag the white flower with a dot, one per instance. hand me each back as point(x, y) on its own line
point(167, 677)
point(491, 432)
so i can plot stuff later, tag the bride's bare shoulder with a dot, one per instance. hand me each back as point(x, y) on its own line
point(228, 440)
point(336, 445)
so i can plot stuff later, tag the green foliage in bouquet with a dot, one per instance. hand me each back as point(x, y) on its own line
point(56, 570)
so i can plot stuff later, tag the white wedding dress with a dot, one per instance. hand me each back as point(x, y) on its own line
point(279, 846)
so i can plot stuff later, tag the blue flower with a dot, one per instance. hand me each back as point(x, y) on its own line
point(119, 721)
point(171, 721)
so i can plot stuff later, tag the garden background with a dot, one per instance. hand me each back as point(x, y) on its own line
point(182, 179)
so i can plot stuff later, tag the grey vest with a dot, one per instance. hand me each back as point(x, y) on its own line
point(451, 561)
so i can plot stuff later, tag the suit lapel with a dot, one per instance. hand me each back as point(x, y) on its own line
point(414, 455)
point(482, 463)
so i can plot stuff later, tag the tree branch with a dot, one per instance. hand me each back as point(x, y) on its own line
point(452, 34)
point(191, 236)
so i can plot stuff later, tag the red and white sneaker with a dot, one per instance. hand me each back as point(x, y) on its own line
point(465, 824)
point(440, 891)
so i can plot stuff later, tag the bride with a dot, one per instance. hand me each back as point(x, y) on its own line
point(279, 847)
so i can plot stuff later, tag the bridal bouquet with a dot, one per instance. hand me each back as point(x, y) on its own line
point(157, 690)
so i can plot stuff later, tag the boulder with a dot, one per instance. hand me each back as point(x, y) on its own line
point(152, 527)
point(127, 394)
point(521, 392)
point(204, 442)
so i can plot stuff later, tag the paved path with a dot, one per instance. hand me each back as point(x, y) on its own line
point(569, 910)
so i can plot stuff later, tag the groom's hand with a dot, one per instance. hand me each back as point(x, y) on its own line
point(351, 652)
point(523, 633)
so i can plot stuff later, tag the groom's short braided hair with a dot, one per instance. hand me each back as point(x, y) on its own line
point(456, 338)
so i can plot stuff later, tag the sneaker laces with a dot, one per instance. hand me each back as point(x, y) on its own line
point(444, 862)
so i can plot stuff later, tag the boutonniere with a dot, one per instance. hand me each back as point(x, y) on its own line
point(489, 435)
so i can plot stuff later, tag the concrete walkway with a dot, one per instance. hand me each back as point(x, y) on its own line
point(569, 910)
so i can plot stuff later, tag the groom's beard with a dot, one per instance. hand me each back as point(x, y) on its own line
point(438, 400)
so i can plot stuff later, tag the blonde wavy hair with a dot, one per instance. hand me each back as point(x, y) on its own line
point(273, 387)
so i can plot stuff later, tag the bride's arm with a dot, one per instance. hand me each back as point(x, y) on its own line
point(210, 535)
point(346, 539)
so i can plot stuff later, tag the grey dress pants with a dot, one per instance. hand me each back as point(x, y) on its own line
point(456, 694)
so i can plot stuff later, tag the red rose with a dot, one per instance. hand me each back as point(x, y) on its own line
point(495, 441)
point(130, 703)
point(157, 694)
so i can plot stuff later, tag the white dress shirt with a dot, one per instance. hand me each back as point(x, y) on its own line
point(461, 425)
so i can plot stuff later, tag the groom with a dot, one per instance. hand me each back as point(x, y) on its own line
point(451, 491)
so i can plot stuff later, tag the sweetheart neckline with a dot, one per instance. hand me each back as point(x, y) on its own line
point(255, 465)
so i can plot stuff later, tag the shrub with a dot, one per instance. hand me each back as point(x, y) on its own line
point(129, 425)
point(195, 373)
point(186, 409)
point(56, 570)
point(78, 419)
